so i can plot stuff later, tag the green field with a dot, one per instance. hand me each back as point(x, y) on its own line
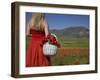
point(70, 56)
point(69, 42)
point(74, 42)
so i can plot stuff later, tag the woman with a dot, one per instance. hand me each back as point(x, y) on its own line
point(38, 29)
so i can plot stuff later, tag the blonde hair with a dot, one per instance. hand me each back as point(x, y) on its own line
point(36, 21)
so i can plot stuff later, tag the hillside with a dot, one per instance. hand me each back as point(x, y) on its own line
point(77, 32)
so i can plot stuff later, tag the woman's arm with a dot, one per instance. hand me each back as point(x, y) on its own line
point(46, 29)
point(28, 30)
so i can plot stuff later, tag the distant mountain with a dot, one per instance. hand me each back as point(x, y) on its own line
point(77, 32)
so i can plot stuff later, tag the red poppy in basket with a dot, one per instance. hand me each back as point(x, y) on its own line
point(51, 39)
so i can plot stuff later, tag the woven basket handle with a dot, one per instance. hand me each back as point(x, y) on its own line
point(54, 36)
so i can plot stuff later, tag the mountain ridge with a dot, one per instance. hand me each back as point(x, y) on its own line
point(77, 32)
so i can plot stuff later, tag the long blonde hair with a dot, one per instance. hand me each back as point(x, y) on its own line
point(36, 21)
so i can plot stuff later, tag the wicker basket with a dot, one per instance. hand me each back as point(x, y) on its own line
point(50, 49)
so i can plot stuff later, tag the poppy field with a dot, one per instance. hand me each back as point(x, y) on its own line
point(73, 51)
point(71, 56)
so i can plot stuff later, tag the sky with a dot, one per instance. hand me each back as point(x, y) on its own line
point(61, 21)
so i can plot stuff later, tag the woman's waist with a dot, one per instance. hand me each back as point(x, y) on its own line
point(38, 37)
point(37, 40)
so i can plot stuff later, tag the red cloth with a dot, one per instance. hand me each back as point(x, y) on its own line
point(34, 54)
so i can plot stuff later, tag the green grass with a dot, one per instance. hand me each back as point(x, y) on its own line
point(74, 42)
point(69, 42)
point(28, 39)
